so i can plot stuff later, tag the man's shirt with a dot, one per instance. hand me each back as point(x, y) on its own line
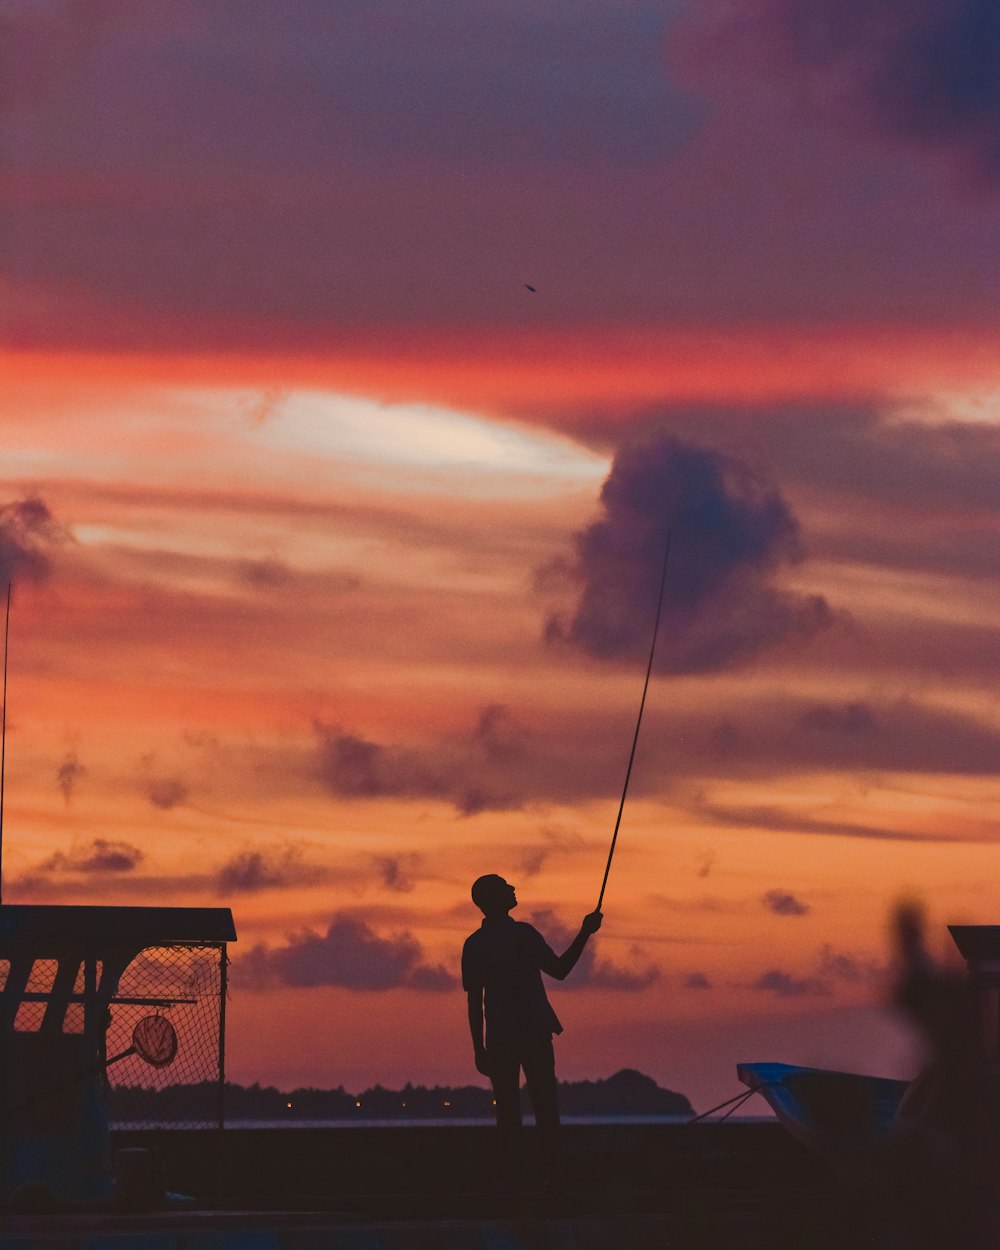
point(504, 958)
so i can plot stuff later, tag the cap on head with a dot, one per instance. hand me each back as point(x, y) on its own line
point(489, 890)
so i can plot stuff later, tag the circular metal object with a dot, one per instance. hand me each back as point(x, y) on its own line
point(155, 1040)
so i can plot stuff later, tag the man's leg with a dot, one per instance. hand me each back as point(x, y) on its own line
point(540, 1076)
point(505, 1077)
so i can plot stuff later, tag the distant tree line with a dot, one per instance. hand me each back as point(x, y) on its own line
point(626, 1093)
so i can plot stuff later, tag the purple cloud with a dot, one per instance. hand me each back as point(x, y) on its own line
point(497, 733)
point(397, 871)
point(785, 985)
point(926, 72)
point(781, 903)
point(779, 737)
point(731, 534)
point(166, 792)
point(473, 772)
point(28, 534)
point(265, 574)
point(251, 871)
point(99, 856)
point(355, 767)
point(850, 968)
point(554, 841)
point(349, 954)
point(831, 966)
point(68, 774)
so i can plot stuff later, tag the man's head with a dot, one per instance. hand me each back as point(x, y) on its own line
point(492, 895)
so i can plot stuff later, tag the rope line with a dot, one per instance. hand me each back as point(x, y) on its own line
point(739, 1099)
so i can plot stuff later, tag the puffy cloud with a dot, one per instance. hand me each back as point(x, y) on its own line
point(349, 954)
point(251, 871)
point(696, 981)
point(350, 765)
point(355, 767)
point(732, 532)
point(784, 736)
point(532, 861)
point(256, 869)
point(771, 735)
point(912, 486)
point(497, 733)
point(851, 968)
point(781, 903)
point(264, 574)
point(832, 966)
point(785, 985)
point(471, 772)
point(28, 535)
point(554, 842)
point(166, 792)
point(99, 856)
point(472, 800)
point(606, 975)
point(397, 871)
point(68, 774)
point(927, 72)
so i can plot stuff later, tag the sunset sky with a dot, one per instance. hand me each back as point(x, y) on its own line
point(335, 544)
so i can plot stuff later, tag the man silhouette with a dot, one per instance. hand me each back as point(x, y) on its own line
point(502, 966)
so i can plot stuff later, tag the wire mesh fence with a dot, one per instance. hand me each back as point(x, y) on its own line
point(184, 986)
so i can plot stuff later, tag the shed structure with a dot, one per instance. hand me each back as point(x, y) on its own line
point(74, 983)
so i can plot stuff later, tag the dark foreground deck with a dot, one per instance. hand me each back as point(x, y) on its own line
point(636, 1187)
point(418, 1168)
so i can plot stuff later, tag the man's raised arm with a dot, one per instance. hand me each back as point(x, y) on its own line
point(560, 966)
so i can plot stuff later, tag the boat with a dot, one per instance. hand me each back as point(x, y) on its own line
point(838, 1115)
point(845, 1116)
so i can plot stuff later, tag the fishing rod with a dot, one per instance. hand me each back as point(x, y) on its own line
point(3, 728)
point(642, 704)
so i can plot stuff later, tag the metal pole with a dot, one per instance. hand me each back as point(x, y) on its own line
point(223, 994)
point(222, 1171)
point(3, 729)
point(635, 739)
